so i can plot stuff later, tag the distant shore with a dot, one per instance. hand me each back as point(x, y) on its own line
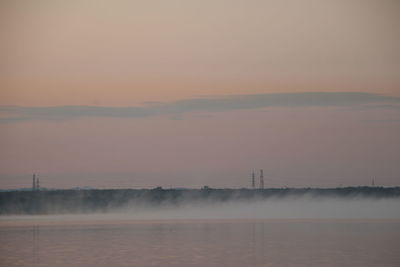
point(104, 200)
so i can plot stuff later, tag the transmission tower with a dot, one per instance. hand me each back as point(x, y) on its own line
point(34, 182)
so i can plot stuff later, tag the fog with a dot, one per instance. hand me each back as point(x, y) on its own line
point(279, 208)
point(273, 208)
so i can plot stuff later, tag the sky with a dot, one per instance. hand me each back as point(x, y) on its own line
point(132, 94)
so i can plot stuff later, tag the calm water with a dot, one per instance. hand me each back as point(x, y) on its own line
point(57, 241)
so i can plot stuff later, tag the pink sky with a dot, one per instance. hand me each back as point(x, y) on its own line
point(196, 87)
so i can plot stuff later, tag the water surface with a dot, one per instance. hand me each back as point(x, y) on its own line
point(92, 241)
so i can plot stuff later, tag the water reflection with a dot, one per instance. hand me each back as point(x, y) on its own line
point(203, 243)
point(34, 245)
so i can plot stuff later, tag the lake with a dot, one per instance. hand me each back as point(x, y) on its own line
point(218, 236)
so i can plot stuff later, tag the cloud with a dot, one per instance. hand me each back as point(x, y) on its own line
point(217, 104)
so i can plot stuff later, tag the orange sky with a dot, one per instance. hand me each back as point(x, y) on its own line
point(126, 52)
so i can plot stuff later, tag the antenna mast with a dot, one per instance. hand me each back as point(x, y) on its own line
point(253, 180)
point(34, 182)
point(261, 179)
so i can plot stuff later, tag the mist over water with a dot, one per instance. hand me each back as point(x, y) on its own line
point(273, 208)
point(277, 231)
point(277, 208)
